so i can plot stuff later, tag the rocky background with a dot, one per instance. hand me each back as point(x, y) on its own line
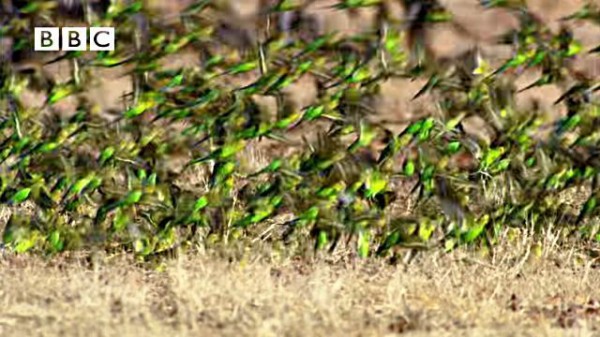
point(241, 21)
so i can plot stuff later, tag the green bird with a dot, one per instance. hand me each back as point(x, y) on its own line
point(105, 155)
point(285, 6)
point(78, 187)
point(197, 7)
point(316, 44)
point(419, 15)
point(260, 209)
point(222, 170)
point(69, 55)
point(508, 4)
point(241, 68)
point(273, 167)
point(130, 199)
point(402, 234)
point(584, 88)
point(38, 7)
point(354, 4)
point(545, 79)
point(366, 136)
point(449, 201)
point(19, 196)
point(226, 151)
point(589, 12)
point(588, 208)
point(567, 46)
point(519, 59)
point(392, 147)
point(308, 218)
point(265, 84)
point(390, 241)
point(436, 81)
point(43, 198)
point(62, 91)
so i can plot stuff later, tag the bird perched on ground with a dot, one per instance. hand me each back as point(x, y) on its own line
point(449, 201)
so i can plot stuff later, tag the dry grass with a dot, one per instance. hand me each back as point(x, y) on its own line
point(206, 295)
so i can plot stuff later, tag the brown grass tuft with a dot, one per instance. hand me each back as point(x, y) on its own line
point(202, 294)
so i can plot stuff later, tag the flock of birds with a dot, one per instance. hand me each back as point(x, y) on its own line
point(110, 181)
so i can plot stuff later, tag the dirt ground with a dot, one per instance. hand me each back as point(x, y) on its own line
point(394, 105)
point(262, 295)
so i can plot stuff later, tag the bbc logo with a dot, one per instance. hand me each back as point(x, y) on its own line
point(74, 38)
